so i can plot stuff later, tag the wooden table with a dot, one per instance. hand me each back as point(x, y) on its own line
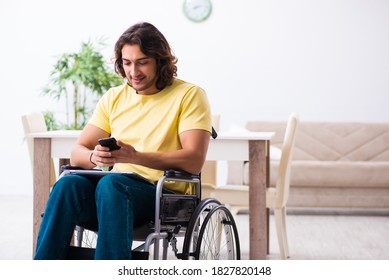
point(252, 146)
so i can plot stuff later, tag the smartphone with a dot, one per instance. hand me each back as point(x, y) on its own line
point(110, 143)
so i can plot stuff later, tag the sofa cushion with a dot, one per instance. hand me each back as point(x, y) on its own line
point(336, 174)
point(307, 173)
point(332, 141)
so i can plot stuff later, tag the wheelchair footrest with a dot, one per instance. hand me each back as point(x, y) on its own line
point(80, 253)
point(139, 255)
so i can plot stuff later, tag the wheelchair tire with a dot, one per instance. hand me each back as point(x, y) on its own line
point(193, 230)
point(218, 238)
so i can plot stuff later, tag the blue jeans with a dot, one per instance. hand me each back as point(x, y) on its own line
point(113, 205)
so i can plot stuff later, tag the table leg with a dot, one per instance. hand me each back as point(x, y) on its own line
point(42, 156)
point(257, 199)
point(267, 186)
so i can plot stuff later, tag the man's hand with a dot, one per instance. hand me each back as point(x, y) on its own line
point(101, 156)
point(126, 154)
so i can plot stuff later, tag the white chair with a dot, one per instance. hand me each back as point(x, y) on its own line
point(35, 123)
point(237, 196)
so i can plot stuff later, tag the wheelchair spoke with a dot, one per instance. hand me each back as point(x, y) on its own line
point(88, 238)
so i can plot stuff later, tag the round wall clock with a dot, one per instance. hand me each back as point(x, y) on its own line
point(197, 10)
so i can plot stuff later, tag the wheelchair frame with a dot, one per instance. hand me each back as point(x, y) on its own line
point(207, 226)
point(193, 227)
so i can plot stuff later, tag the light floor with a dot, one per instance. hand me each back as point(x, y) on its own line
point(313, 234)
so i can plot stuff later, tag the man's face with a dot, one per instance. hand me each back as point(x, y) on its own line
point(141, 70)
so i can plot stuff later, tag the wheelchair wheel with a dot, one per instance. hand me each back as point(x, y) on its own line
point(211, 233)
point(85, 238)
point(218, 237)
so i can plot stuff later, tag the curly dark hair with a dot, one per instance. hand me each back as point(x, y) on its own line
point(153, 44)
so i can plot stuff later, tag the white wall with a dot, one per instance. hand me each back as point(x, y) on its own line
point(257, 59)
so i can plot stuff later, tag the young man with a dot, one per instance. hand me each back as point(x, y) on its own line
point(160, 123)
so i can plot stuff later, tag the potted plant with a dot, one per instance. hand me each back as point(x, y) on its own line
point(76, 77)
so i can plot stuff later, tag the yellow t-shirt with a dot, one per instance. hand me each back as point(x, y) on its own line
point(152, 123)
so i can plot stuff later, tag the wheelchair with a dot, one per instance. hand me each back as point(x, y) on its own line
point(207, 227)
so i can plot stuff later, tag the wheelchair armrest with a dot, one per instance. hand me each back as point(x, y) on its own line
point(178, 174)
point(70, 167)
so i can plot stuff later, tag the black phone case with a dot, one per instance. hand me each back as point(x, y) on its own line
point(110, 143)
